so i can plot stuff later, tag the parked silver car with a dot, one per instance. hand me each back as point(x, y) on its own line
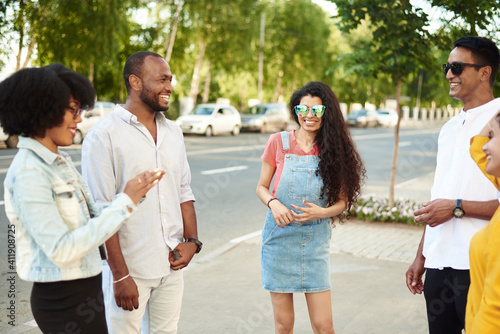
point(265, 117)
point(362, 118)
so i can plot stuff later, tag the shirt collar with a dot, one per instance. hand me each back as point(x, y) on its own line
point(39, 149)
point(130, 118)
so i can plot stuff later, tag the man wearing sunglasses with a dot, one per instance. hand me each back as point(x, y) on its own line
point(462, 198)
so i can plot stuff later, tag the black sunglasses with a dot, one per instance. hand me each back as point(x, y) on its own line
point(457, 67)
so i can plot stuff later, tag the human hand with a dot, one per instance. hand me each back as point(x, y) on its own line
point(282, 215)
point(126, 294)
point(137, 187)
point(414, 276)
point(435, 212)
point(310, 212)
point(186, 251)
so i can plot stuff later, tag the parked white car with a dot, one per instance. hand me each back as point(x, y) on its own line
point(387, 118)
point(210, 119)
point(10, 141)
point(91, 117)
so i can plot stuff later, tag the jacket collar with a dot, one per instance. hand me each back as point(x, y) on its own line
point(43, 152)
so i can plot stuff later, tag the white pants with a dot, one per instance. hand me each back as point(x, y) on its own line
point(159, 305)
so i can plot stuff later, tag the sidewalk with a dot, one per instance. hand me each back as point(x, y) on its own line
point(369, 295)
point(223, 292)
point(368, 266)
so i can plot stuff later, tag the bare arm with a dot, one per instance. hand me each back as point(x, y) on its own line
point(126, 293)
point(439, 211)
point(281, 213)
point(186, 249)
point(416, 271)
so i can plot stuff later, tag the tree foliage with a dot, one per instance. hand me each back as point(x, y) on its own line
point(216, 49)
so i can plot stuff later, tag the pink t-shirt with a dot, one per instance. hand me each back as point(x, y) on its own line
point(274, 155)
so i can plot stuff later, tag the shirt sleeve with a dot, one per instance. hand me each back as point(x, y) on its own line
point(477, 154)
point(43, 202)
point(97, 167)
point(272, 146)
point(186, 191)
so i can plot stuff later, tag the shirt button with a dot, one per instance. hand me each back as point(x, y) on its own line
point(129, 209)
point(70, 195)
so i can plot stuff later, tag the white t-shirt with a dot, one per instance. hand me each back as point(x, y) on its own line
point(458, 176)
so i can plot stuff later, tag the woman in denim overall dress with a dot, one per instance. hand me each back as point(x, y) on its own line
point(317, 176)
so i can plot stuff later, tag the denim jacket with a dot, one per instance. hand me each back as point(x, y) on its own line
point(50, 206)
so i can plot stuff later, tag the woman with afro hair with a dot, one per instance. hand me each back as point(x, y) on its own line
point(58, 227)
point(317, 177)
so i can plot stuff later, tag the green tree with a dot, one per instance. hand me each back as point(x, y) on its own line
point(400, 45)
point(86, 36)
point(297, 46)
point(478, 16)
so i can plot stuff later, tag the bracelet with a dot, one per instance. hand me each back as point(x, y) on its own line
point(121, 279)
point(272, 199)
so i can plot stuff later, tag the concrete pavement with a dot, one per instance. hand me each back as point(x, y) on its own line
point(223, 293)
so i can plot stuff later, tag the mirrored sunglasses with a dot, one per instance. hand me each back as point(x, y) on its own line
point(457, 67)
point(302, 110)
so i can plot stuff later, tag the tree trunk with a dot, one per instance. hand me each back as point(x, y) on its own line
point(195, 82)
point(30, 52)
point(278, 87)
point(261, 56)
point(21, 34)
point(396, 145)
point(206, 86)
point(169, 44)
point(91, 73)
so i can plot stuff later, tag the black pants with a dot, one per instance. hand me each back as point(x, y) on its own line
point(446, 297)
point(69, 307)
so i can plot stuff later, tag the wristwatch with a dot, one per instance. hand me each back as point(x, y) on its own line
point(458, 212)
point(198, 243)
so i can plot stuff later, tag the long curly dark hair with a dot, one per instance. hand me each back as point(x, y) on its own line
point(340, 164)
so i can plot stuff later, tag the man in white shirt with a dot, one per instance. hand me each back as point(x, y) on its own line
point(462, 198)
point(143, 275)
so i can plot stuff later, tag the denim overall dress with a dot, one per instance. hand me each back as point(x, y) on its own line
point(297, 258)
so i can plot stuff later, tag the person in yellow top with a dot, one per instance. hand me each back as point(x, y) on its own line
point(483, 301)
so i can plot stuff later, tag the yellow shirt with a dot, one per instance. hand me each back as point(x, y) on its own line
point(483, 301)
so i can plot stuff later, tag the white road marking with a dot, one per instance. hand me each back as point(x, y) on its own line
point(223, 170)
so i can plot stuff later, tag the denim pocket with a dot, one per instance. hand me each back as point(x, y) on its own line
point(269, 227)
point(304, 184)
point(67, 204)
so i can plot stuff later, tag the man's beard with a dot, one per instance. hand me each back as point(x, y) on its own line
point(151, 100)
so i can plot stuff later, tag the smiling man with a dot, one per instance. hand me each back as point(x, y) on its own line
point(462, 198)
point(145, 256)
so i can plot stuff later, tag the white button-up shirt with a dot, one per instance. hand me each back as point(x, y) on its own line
point(117, 149)
point(458, 176)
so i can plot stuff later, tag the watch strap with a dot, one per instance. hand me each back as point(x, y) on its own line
point(197, 242)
